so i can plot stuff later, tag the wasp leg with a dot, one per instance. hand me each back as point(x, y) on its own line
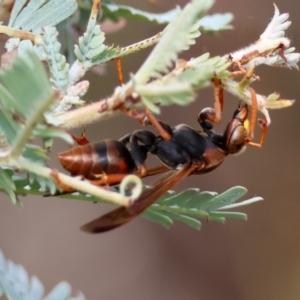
point(213, 115)
point(113, 179)
point(108, 179)
point(137, 115)
point(65, 188)
point(166, 130)
point(119, 70)
point(140, 151)
point(140, 143)
point(206, 117)
point(253, 114)
point(243, 84)
point(131, 113)
point(162, 130)
point(219, 99)
point(263, 125)
point(125, 139)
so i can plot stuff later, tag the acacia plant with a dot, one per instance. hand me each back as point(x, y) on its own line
point(42, 93)
point(42, 98)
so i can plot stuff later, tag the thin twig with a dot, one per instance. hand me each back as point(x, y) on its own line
point(31, 123)
point(73, 182)
point(97, 111)
point(18, 33)
point(140, 45)
point(95, 10)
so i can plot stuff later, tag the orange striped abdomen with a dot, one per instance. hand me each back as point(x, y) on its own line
point(90, 160)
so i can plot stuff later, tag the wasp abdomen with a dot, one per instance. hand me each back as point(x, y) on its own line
point(94, 159)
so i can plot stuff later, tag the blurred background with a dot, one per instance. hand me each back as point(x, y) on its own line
point(254, 259)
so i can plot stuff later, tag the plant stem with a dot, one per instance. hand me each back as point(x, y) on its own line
point(31, 123)
point(17, 33)
point(140, 45)
point(74, 182)
point(97, 111)
point(95, 10)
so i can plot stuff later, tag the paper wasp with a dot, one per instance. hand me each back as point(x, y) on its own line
point(183, 149)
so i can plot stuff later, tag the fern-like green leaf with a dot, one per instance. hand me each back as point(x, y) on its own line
point(215, 23)
point(114, 11)
point(8, 126)
point(107, 53)
point(59, 68)
point(15, 284)
point(63, 291)
point(27, 72)
point(92, 51)
point(158, 217)
point(24, 187)
point(39, 13)
point(178, 86)
point(44, 131)
point(35, 153)
point(224, 199)
point(192, 222)
point(18, 5)
point(91, 43)
point(14, 185)
point(191, 205)
point(23, 116)
point(169, 92)
point(166, 51)
point(8, 186)
point(187, 207)
point(209, 24)
point(200, 70)
point(45, 184)
point(22, 103)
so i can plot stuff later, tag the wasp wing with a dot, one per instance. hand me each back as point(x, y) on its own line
point(123, 215)
point(157, 170)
